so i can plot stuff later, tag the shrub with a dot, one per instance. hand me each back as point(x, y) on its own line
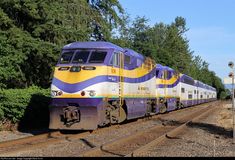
point(28, 107)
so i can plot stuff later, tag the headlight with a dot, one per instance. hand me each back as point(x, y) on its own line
point(92, 93)
point(56, 93)
point(59, 93)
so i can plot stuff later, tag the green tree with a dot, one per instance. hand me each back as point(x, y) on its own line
point(32, 33)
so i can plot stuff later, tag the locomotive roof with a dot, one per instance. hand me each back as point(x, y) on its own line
point(134, 53)
point(159, 66)
point(168, 68)
point(92, 45)
point(185, 75)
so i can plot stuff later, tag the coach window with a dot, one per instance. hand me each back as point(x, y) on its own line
point(66, 57)
point(190, 96)
point(97, 57)
point(182, 90)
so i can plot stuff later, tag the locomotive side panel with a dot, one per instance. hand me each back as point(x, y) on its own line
point(138, 91)
point(167, 86)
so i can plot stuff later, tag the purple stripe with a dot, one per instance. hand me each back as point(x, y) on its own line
point(80, 101)
point(140, 79)
point(72, 88)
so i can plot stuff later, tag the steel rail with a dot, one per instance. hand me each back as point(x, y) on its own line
point(9, 143)
point(28, 143)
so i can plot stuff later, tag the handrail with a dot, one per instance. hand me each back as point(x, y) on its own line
point(121, 78)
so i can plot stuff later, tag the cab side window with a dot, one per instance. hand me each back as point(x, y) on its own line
point(166, 74)
point(161, 75)
point(157, 73)
point(115, 59)
point(138, 62)
point(169, 74)
point(127, 59)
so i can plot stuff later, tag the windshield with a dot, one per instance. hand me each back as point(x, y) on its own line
point(81, 57)
point(97, 57)
point(84, 56)
point(66, 57)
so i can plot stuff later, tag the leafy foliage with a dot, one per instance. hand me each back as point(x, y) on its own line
point(32, 33)
point(15, 102)
point(25, 61)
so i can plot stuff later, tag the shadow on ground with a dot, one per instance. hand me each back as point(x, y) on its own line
point(36, 116)
point(213, 129)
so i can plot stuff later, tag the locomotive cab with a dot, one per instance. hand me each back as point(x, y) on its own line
point(75, 67)
point(80, 85)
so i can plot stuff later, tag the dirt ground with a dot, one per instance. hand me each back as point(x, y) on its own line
point(224, 118)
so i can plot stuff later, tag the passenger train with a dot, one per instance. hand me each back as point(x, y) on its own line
point(100, 83)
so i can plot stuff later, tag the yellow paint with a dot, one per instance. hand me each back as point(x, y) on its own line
point(102, 95)
point(113, 71)
point(166, 82)
point(83, 75)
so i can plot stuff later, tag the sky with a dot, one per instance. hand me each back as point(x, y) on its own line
point(211, 26)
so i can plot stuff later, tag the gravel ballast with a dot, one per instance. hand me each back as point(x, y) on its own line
point(210, 136)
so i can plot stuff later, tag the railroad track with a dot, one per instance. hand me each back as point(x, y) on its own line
point(133, 145)
point(12, 147)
